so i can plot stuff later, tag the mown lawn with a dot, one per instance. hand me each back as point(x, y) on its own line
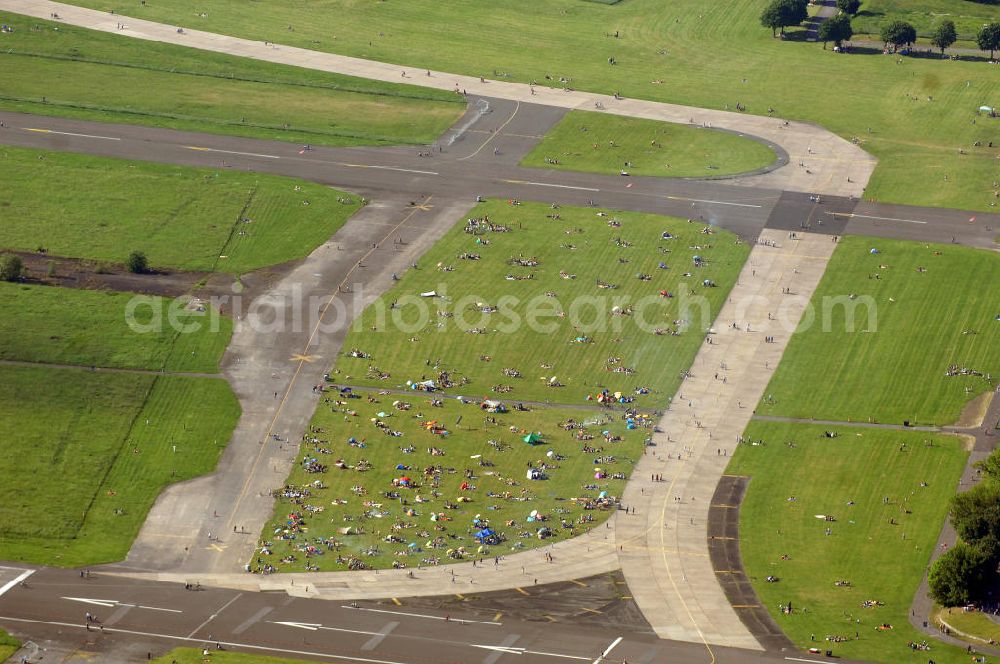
point(597, 143)
point(975, 626)
point(797, 476)
point(194, 656)
point(919, 112)
point(555, 333)
point(182, 218)
point(90, 328)
point(99, 76)
point(87, 454)
point(891, 362)
point(924, 15)
point(352, 515)
point(8, 645)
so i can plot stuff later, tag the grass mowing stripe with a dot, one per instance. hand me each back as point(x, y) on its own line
point(87, 415)
point(100, 208)
point(411, 92)
point(68, 326)
point(594, 142)
point(179, 87)
point(798, 478)
point(889, 326)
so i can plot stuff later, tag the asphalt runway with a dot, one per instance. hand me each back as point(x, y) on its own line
point(463, 164)
point(142, 617)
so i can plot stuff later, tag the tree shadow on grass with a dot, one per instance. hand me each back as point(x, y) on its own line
point(922, 54)
point(801, 34)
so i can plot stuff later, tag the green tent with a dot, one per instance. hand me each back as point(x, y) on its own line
point(533, 439)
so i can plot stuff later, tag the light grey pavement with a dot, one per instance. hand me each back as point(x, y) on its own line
point(272, 368)
point(664, 544)
point(819, 161)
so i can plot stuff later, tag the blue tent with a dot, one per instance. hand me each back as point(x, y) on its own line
point(484, 534)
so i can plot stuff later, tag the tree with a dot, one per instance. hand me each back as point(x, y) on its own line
point(976, 513)
point(959, 576)
point(898, 33)
point(11, 267)
point(137, 263)
point(849, 7)
point(836, 29)
point(988, 38)
point(783, 13)
point(773, 17)
point(990, 466)
point(944, 35)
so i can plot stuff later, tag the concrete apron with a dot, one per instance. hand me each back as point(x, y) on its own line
point(663, 546)
point(272, 371)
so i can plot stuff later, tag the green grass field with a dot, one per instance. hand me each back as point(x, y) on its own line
point(194, 656)
point(687, 51)
point(393, 526)
point(848, 478)
point(974, 625)
point(892, 367)
point(99, 76)
point(87, 454)
point(8, 645)
point(184, 218)
point(593, 142)
point(68, 326)
point(552, 319)
point(924, 15)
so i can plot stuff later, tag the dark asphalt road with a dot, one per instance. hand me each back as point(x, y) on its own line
point(142, 617)
point(463, 163)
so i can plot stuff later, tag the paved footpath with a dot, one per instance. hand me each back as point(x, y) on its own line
point(819, 161)
point(664, 545)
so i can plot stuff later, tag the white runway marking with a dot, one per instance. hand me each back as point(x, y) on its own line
point(312, 627)
point(20, 577)
point(608, 650)
point(110, 603)
point(513, 650)
point(419, 615)
point(547, 184)
point(69, 133)
point(200, 642)
point(701, 200)
point(242, 154)
point(868, 216)
point(387, 168)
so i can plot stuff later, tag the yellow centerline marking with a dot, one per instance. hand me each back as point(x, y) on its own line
point(517, 106)
point(298, 369)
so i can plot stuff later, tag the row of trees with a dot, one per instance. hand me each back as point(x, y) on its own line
point(781, 14)
point(901, 33)
point(968, 571)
